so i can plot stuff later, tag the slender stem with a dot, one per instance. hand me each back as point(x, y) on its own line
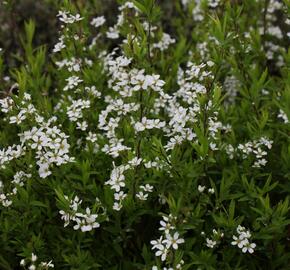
point(149, 36)
point(167, 160)
point(208, 92)
point(246, 79)
point(142, 111)
point(266, 5)
point(140, 119)
point(138, 147)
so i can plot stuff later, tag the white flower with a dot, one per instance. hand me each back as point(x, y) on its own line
point(117, 206)
point(66, 217)
point(117, 178)
point(6, 104)
point(165, 226)
point(59, 46)
point(86, 228)
point(173, 241)
point(33, 257)
point(120, 196)
point(98, 21)
point(248, 247)
point(135, 161)
point(213, 3)
point(18, 119)
point(211, 190)
point(243, 240)
point(213, 146)
point(240, 229)
point(147, 188)
point(245, 234)
point(238, 241)
point(93, 91)
point(67, 18)
point(282, 115)
point(47, 264)
point(210, 243)
point(113, 33)
point(118, 184)
point(72, 82)
point(164, 43)
point(148, 124)
point(44, 170)
point(162, 252)
point(82, 126)
point(32, 267)
point(157, 244)
point(141, 196)
point(86, 222)
point(201, 188)
point(92, 137)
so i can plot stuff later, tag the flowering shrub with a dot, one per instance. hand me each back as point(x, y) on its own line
point(157, 141)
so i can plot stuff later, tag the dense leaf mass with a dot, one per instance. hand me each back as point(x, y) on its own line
point(145, 134)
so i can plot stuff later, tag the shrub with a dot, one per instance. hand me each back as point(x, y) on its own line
point(156, 140)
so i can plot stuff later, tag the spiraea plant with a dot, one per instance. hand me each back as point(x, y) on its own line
point(152, 135)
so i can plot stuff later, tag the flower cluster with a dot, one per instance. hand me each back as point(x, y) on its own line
point(231, 86)
point(201, 189)
point(148, 124)
point(216, 238)
point(184, 107)
point(84, 220)
point(177, 267)
point(72, 82)
point(197, 10)
point(18, 181)
point(164, 43)
point(67, 18)
point(114, 31)
point(117, 183)
point(98, 21)
point(74, 111)
point(269, 28)
point(71, 64)
point(46, 139)
point(6, 104)
point(168, 242)
point(256, 148)
point(282, 115)
point(50, 146)
point(242, 240)
point(33, 265)
point(157, 164)
point(144, 192)
point(10, 153)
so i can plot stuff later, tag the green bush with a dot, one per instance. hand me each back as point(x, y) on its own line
point(145, 135)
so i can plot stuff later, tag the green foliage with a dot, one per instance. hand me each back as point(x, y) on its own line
point(218, 157)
